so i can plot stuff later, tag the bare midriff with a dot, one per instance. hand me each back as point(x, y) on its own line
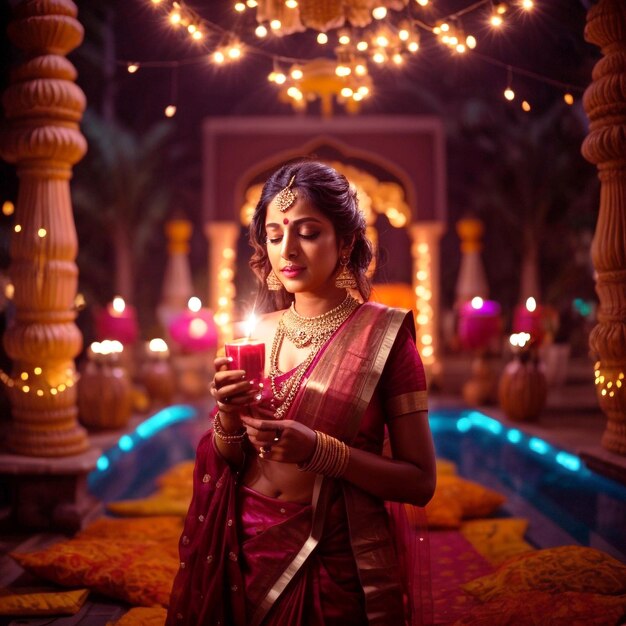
point(283, 481)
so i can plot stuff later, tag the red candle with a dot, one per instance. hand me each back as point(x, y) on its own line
point(529, 318)
point(117, 321)
point(194, 330)
point(248, 355)
point(479, 323)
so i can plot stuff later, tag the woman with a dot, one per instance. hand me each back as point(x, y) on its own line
point(287, 525)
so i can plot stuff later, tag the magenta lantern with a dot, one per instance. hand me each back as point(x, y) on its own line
point(529, 318)
point(479, 323)
point(117, 321)
point(194, 331)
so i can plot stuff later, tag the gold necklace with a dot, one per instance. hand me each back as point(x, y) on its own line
point(303, 331)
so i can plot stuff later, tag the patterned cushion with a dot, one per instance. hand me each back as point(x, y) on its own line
point(179, 477)
point(554, 570)
point(443, 511)
point(537, 608)
point(497, 539)
point(38, 601)
point(165, 502)
point(139, 573)
point(142, 616)
point(475, 500)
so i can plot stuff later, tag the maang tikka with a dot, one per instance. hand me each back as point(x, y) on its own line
point(286, 197)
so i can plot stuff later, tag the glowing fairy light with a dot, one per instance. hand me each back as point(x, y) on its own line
point(526, 106)
point(170, 110)
point(322, 38)
point(132, 68)
point(509, 94)
point(379, 13)
point(568, 98)
point(194, 304)
point(260, 31)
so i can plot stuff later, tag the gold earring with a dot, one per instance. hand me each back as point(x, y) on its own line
point(345, 279)
point(273, 284)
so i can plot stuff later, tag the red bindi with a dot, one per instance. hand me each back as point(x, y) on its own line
point(285, 221)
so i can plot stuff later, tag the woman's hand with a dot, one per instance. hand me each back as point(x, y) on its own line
point(231, 389)
point(285, 441)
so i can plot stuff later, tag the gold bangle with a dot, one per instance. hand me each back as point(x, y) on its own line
point(236, 437)
point(330, 457)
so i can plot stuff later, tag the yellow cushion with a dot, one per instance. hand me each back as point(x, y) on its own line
point(538, 608)
point(553, 570)
point(446, 468)
point(165, 502)
point(497, 539)
point(475, 500)
point(138, 573)
point(179, 477)
point(443, 511)
point(38, 601)
point(142, 616)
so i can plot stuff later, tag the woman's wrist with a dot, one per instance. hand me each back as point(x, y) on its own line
point(227, 429)
point(330, 457)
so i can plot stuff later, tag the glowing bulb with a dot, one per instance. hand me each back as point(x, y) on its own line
point(175, 18)
point(291, 4)
point(8, 208)
point(346, 92)
point(295, 93)
point(296, 73)
point(24, 375)
point(397, 58)
point(170, 110)
point(569, 98)
point(363, 91)
point(413, 46)
point(26, 389)
point(495, 21)
point(156, 1)
point(403, 34)
point(422, 3)
point(362, 46)
point(194, 304)
point(157, 345)
point(444, 27)
point(192, 28)
point(379, 13)
point(526, 106)
point(322, 38)
point(198, 328)
point(382, 41)
point(260, 31)
point(280, 78)
point(527, 5)
point(470, 41)
point(360, 69)
point(234, 52)
point(118, 305)
point(501, 8)
point(219, 57)
point(42, 232)
point(252, 3)
point(477, 302)
point(240, 6)
point(197, 35)
point(37, 371)
point(344, 39)
point(378, 57)
point(531, 304)
point(357, 97)
point(17, 228)
point(9, 291)
point(132, 68)
point(460, 48)
point(275, 24)
point(509, 94)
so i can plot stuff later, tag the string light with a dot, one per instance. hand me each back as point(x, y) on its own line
point(8, 208)
point(526, 106)
point(400, 36)
point(569, 98)
point(132, 68)
point(37, 383)
point(170, 110)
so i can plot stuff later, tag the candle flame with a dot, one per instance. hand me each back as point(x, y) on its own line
point(194, 304)
point(531, 304)
point(118, 304)
point(157, 345)
point(249, 325)
point(477, 302)
point(106, 347)
point(519, 340)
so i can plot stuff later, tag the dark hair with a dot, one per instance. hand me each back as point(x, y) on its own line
point(329, 192)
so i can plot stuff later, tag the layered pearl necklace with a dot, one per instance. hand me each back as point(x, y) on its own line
point(303, 332)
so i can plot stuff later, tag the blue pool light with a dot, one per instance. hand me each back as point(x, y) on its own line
point(514, 435)
point(568, 461)
point(538, 445)
point(145, 430)
point(464, 424)
point(126, 443)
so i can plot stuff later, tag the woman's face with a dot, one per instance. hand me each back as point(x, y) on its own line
point(302, 248)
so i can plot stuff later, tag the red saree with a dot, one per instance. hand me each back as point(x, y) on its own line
point(250, 559)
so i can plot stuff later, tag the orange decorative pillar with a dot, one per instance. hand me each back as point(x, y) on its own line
point(44, 107)
point(472, 280)
point(222, 238)
point(605, 145)
point(177, 284)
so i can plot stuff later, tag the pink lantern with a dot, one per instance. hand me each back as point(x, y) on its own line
point(194, 330)
point(479, 323)
point(117, 321)
point(529, 318)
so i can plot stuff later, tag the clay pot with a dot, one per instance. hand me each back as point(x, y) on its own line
point(523, 390)
point(157, 376)
point(104, 396)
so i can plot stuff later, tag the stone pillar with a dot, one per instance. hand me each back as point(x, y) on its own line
point(425, 240)
point(177, 284)
point(222, 238)
point(605, 145)
point(472, 280)
point(44, 107)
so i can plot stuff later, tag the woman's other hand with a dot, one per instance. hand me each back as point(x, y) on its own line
point(285, 441)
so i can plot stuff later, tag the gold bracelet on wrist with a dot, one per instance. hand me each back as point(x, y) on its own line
point(330, 457)
point(237, 437)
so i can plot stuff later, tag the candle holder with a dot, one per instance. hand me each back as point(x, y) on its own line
point(529, 318)
point(117, 321)
point(479, 325)
point(523, 390)
point(104, 388)
point(249, 355)
point(156, 373)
